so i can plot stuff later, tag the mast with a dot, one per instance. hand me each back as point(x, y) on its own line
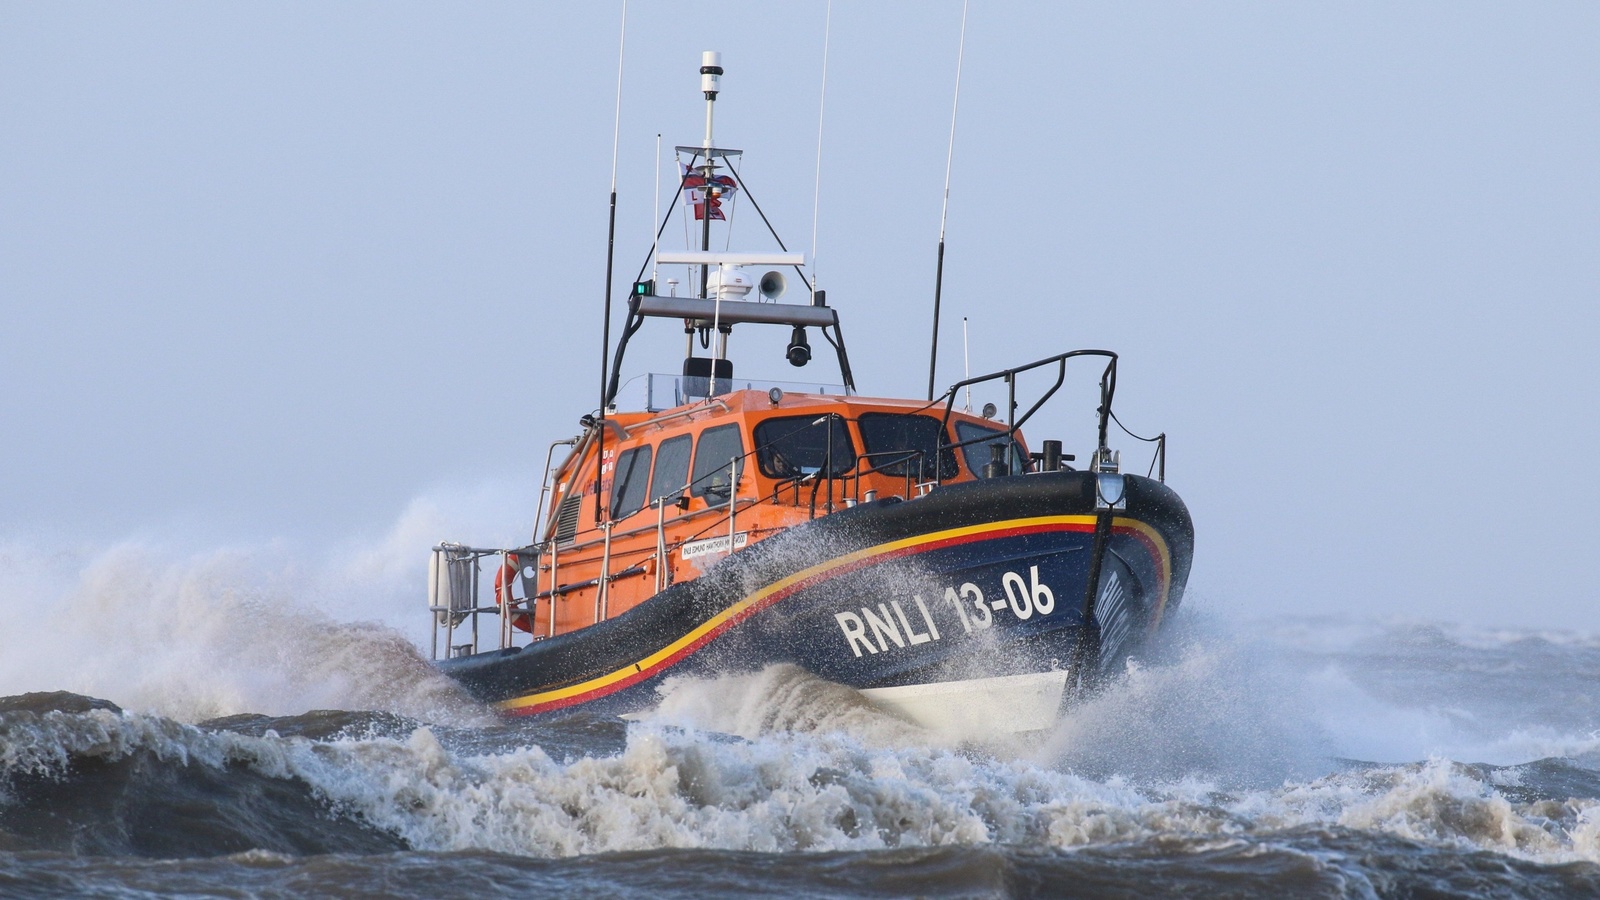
point(611, 246)
point(938, 275)
point(710, 84)
point(816, 189)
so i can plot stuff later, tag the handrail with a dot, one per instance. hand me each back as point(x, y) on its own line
point(898, 456)
point(575, 459)
point(699, 406)
point(1108, 387)
point(544, 480)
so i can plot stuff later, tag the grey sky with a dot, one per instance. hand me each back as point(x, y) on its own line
point(272, 270)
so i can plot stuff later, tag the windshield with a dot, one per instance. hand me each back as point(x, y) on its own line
point(719, 448)
point(978, 453)
point(672, 468)
point(631, 481)
point(796, 446)
point(901, 444)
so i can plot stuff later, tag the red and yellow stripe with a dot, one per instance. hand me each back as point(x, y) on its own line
point(704, 633)
point(1156, 546)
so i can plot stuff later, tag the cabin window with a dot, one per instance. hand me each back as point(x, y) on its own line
point(717, 447)
point(904, 443)
point(630, 483)
point(672, 468)
point(978, 453)
point(795, 446)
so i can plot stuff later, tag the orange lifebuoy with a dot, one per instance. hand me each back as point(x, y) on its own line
point(504, 576)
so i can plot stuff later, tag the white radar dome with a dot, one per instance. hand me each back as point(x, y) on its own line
point(729, 283)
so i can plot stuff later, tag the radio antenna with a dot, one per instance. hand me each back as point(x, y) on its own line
point(822, 105)
point(938, 275)
point(611, 246)
point(966, 363)
point(655, 247)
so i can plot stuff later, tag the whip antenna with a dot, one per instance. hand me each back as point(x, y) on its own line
point(966, 363)
point(938, 275)
point(822, 105)
point(655, 247)
point(611, 247)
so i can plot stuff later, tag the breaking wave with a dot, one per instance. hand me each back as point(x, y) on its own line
point(773, 762)
point(672, 787)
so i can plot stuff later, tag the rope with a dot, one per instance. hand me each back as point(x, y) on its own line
point(1131, 434)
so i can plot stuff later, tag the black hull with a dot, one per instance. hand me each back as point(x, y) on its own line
point(974, 580)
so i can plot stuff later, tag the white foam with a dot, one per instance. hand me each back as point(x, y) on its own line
point(815, 769)
point(821, 786)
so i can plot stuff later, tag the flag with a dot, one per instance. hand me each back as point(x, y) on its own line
point(695, 192)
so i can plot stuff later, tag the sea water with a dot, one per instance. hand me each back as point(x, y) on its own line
point(248, 722)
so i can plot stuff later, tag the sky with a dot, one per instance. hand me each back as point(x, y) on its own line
point(272, 272)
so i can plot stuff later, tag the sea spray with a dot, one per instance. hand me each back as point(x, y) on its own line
point(251, 628)
point(198, 637)
point(1203, 703)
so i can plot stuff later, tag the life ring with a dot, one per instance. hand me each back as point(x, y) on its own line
point(504, 578)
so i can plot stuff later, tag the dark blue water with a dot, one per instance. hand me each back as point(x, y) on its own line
point(1294, 758)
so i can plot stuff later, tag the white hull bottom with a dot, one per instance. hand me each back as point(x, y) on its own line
point(978, 707)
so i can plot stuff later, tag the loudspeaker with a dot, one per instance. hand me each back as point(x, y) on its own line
point(772, 285)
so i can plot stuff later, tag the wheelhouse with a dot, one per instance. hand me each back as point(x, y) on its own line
point(670, 493)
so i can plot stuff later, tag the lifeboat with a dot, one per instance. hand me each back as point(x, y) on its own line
point(703, 524)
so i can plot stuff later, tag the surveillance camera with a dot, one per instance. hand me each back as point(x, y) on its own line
point(799, 349)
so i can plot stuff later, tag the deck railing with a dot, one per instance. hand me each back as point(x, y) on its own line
point(454, 594)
